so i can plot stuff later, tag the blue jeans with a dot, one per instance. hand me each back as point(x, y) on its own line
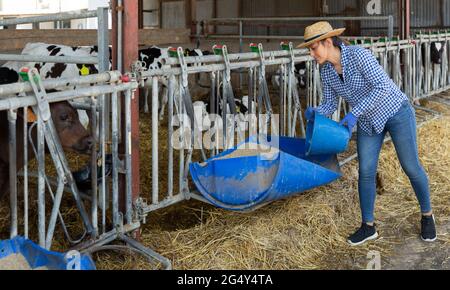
point(403, 130)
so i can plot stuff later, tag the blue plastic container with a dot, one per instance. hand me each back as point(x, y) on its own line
point(38, 257)
point(325, 136)
point(246, 183)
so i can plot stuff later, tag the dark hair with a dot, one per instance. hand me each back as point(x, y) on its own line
point(337, 41)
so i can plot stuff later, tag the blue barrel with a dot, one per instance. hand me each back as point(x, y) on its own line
point(245, 183)
point(325, 136)
point(37, 257)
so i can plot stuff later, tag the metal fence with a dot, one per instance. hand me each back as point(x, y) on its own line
point(100, 227)
point(107, 219)
point(407, 62)
point(203, 26)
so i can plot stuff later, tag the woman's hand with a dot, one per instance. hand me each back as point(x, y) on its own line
point(350, 122)
point(309, 113)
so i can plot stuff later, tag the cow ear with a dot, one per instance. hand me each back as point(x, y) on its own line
point(30, 115)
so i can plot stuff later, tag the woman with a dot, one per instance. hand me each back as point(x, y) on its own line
point(378, 107)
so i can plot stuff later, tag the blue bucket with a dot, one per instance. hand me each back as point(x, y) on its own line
point(249, 182)
point(38, 258)
point(325, 136)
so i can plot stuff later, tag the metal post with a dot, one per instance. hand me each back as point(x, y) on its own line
point(94, 203)
point(155, 143)
point(120, 35)
point(25, 171)
point(12, 119)
point(130, 168)
point(103, 156)
point(130, 54)
point(241, 49)
point(390, 26)
point(71, 15)
point(41, 181)
point(104, 59)
point(115, 152)
point(170, 135)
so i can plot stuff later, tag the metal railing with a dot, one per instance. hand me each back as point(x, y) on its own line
point(403, 61)
point(98, 231)
point(203, 31)
point(107, 220)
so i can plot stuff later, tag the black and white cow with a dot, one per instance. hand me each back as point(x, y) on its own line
point(435, 59)
point(151, 58)
point(300, 73)
point(159, 54)
point(9, 73)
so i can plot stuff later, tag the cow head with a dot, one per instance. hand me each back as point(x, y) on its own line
point(301, 74)
point(8, 76)
point(437, 48)
point(151, 57)
point(73, 136)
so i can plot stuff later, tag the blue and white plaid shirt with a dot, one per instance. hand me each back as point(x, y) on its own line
point(374, 97)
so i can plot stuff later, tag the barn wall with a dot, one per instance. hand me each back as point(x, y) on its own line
point(430, 14)
point(173, 15)
point(151, 19)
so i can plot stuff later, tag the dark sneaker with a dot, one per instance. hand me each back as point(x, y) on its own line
point(428, 229)
point(364, 234)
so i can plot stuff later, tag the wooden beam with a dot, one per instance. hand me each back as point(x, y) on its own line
point(188, 13)
point(163, 36)
point(141, 14)
point(17, 39)
point(190, 9)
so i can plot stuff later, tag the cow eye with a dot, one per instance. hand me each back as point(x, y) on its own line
point(64, 117)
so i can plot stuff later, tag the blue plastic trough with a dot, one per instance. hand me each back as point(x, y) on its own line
point(245, 183)
point(38, 257)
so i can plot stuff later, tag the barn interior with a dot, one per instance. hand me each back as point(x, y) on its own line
point(180, 228)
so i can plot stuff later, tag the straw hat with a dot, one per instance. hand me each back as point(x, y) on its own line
point(319, 31)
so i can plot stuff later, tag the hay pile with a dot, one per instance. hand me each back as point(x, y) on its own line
point(308, 231)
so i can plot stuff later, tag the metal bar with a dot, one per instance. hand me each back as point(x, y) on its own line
point(120, 36)
point(128, 156)
point(241, 37)
point(77, 14)
point(170, 135)
point(115, 154)
point(25, 87)
point(163, 260)
point(20, 102)
point(25, 172)
point(164, 203)
point(104, 59)
point(41, 180)
point(103, 141)
point(390, 26)
point(49, 59)
point(12, 120)
point(155, 141)
point(94, 203)
point(54, 215)
point(220, 67)
point(271, 19)
point(238, 57)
